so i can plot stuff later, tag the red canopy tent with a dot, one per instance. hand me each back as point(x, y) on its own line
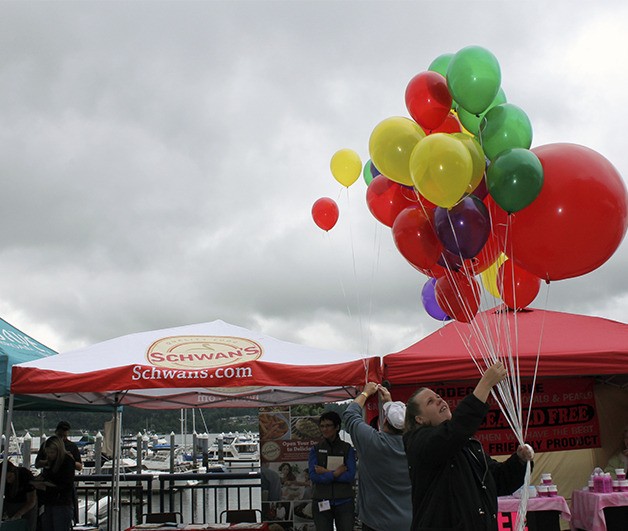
point(572, 347)
point(569, 345)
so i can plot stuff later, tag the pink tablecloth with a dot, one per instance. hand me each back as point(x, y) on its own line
point(587, 508)
point(510, 504)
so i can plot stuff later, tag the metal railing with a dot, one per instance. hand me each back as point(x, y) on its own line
point(199, 497)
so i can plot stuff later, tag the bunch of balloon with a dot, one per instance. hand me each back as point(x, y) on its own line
point(464, 193)
point(447, 166)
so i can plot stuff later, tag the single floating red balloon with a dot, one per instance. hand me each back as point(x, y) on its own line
point(325, 213)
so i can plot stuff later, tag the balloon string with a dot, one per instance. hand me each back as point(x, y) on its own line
point(490, 341)
point(538, 357)
point(374, 269)
point(523, 501)
point(355, 272)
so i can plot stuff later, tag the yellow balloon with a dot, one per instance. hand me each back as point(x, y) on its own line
point(489, 276)
point(346, 166)
point(441, 169)
point(391, 145)
point(477, 158)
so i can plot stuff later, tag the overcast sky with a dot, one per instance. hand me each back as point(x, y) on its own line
point(159, 160)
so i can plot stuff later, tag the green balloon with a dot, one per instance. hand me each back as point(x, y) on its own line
point(441, 63)
point(369, 172)
point(514, 179)
point(471, 122)
point(504, 127)
point(473, 78)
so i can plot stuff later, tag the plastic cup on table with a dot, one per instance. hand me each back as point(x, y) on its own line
point(623, 485)
point(552, 490)
point(620, 473)
point(546, 479)
point(542, 490)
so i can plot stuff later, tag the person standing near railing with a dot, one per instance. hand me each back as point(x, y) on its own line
point(63, 431)
point(57, 486)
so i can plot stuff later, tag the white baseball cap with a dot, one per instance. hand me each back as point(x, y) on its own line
point(395, 414)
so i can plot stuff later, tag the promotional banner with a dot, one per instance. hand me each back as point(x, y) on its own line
point(286, 436)
point(563, 415)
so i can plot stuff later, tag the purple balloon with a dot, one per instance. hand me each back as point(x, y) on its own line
point(428, 297)
point(464, 229)
point(374, 171)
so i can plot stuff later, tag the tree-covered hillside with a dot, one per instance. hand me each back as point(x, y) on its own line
point(136, 420)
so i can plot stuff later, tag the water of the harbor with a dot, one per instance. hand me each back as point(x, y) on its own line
point(199, 505)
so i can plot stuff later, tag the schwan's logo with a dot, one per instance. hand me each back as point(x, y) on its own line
point(196, 352)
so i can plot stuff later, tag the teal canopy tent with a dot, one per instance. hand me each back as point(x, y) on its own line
point(16, 347)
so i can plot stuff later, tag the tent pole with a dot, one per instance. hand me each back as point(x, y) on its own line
point(115, 490)
point(2, 406)
point(3, 475)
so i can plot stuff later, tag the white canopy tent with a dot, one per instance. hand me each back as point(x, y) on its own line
point(212, 364)
point(204, 365)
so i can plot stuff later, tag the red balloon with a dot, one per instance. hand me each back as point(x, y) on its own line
point(577, 221)
point(428, 99)
point(435, 271)
point(458, 295)
point(386, 198)
point(414, 236)
point(517, 287)
point(500, 222)
point(487, 256)
point(450, 125)
point(325, 213)
point(427, 205)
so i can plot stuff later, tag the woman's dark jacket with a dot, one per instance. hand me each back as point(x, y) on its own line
point(63, 491)
point(454, 483)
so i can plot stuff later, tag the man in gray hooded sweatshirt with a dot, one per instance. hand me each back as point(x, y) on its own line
point(384, 488)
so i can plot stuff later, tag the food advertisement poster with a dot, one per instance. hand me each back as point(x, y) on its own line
point(286, 436)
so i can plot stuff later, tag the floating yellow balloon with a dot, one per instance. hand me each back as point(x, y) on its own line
point(489, 276)
point(391, 145)
point(346, 166)
point(441, 169)
point(477, 158)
